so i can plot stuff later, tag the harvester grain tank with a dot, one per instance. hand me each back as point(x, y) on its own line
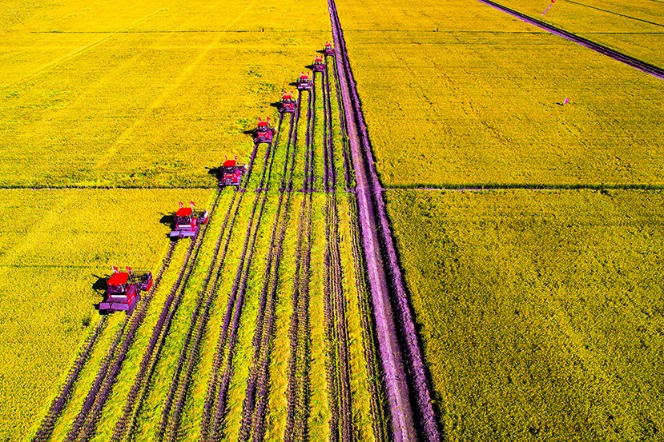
point(188, 221)
point(319, 64)
point(123, 290)
point(231, 173)
point(304, 82)
point(264, 133)
point(329, 50)
point(288, 103)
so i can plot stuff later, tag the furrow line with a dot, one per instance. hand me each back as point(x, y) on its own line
point(382, 261)
point(103, 371)
point(48, 423)
point(265, 317)
point(161, 329)
point(217, 388)
point(180, 383)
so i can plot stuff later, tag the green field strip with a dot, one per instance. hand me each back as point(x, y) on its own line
point(85, 379)
point(361, 400)
point(131, 365)
point(317, 135)
point(280, 351)
point(540, 312)
point(191, 418)
point(149, 414)
point(244, 349)
point(319, 412)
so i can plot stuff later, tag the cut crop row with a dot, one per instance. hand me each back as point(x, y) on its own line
point(254, 406)
point(215, 403)
point(48, 423)
point(85, 423)
point(179, 387)
point(341, 425)
point(298, 370)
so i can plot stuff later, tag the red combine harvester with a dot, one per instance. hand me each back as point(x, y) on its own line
point(231, 173)
point(329, 50)
point(264, 132)
point(188, 221)
point(319, 64)
point(123, 290)
point(304, 82)
point(288, 103)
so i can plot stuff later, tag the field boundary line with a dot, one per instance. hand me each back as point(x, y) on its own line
point(597, 47)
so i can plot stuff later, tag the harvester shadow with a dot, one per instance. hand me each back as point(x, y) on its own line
point(214, 171)
point(249, 132)
point(167, 219)
point(276, 104)
point(310, 67)
point(99, 286)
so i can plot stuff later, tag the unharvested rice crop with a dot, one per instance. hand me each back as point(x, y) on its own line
point(152, 95)
point(458, 93)
point(634, 27)
point(55, 245)
point(541, 312)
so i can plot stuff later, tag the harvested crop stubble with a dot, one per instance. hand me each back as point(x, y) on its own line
point(52, 252)
point(483, 100)
point(540, 311)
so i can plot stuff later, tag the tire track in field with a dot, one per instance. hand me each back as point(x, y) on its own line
point(85, 423)
point(214, 410)
point(341, 425)
point(297, 425)
point(256, 395)
point(136, 318)
point(48, 423)
point(397, 337)
point(140, 388)
point(648, 68)
point(380, 419)
point(169, 425)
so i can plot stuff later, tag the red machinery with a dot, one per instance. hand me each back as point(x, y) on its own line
point(304, 82)
point(288, 103)
point(319, 64)
point(188, 221)
point(264, 132)
point(123, 290)
point(231, 173)
point(329, 50)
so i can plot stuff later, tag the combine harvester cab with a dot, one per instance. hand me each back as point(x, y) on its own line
point(304, 82)
point(231, 173)
point(264, 133)
point(188, 222)
point(319, 64)
point(288, 103)
point(329, 50)
point(123, 290)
